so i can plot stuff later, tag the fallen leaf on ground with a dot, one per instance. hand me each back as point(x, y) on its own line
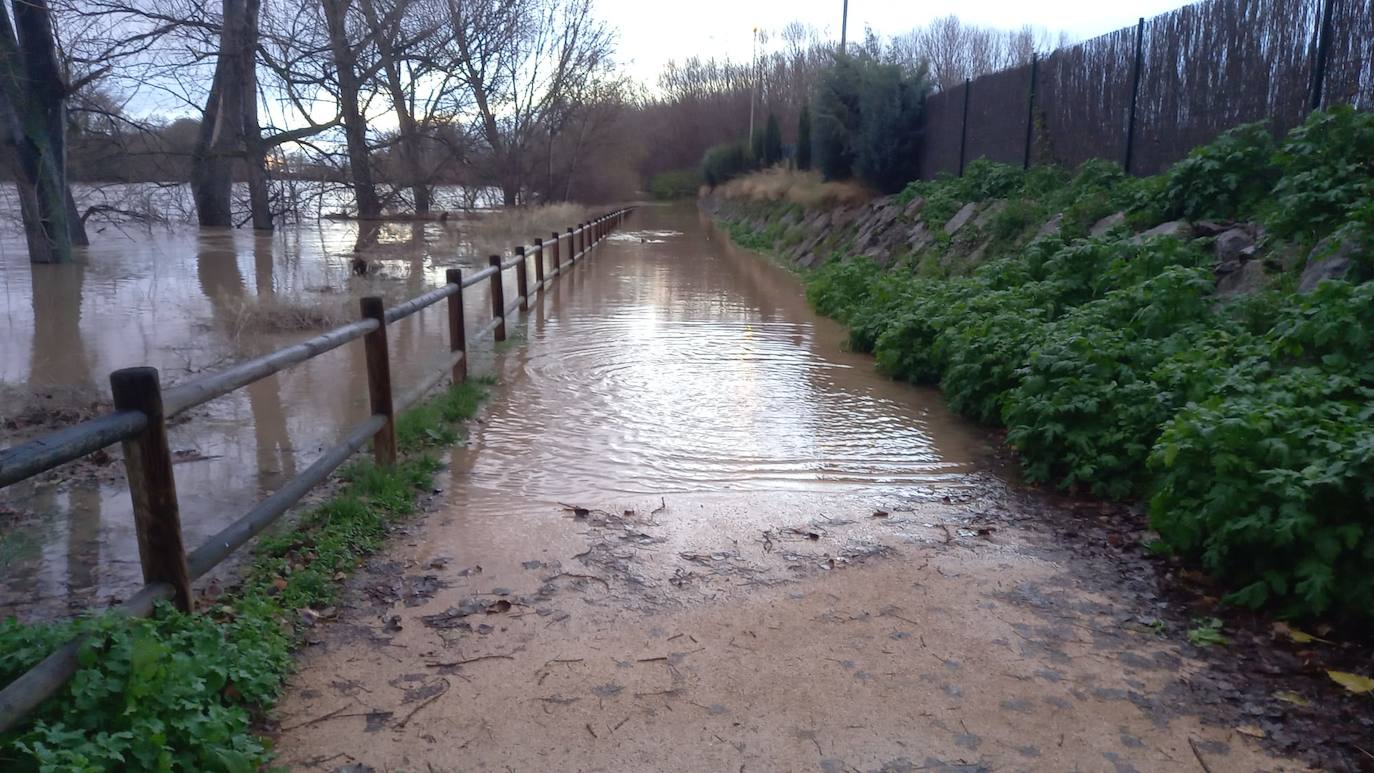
point(1251, 730)
point(1300, 637)
point(1288, 696)
point(1352, 682)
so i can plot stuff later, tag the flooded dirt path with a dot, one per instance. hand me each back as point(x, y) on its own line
point(691, 533)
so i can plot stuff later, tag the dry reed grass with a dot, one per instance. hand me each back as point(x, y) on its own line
point(500, 230)
point(805, 189)
point(271, 314)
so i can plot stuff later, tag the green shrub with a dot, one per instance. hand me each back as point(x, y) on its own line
point(1248, 424)
point(868, 121)
point(1226, 179)
point(724, 162)
point(676, 184)
point(772, 141)
point(1327, 165)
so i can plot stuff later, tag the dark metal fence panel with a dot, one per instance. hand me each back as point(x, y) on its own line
point(997, 116)
point(1215, 65)
point(1083, 96)
point(1350, 58)
point(940, 143)
point(1205, 68)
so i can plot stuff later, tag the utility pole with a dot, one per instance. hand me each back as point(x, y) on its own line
point(844, 25)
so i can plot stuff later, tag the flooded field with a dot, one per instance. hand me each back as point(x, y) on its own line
point(185, 301)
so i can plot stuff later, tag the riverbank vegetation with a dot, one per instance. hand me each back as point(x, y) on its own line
point(1200, 340)
point(185, 692)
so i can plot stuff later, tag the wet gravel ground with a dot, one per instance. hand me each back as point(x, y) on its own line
point(988, 628)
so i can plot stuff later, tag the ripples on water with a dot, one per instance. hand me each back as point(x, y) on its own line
point(668, 362)
point(686, 365)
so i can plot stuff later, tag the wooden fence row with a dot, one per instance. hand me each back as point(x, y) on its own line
point(142, 408)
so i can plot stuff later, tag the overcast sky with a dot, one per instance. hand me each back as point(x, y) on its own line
point(651, 33)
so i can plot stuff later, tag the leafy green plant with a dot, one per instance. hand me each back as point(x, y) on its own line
point(1225, 179)
point(179, 692)
point(1327, 167)
point(676, 184)
point(1247, 422)
point(1206, 632)
point(724, 162)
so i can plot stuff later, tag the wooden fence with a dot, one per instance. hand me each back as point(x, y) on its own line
point(142, 408)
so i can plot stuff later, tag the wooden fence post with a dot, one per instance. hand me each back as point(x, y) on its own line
point(152, 486)
point(581, 234)
point(539, 264)
point(557, 239)
point(457, 326)
point(379, 381)
point(522, 278)
point(498, 299)
point(572, 246)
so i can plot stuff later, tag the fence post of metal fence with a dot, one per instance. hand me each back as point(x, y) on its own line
point(1319, 61)
point(1135, 91)
point(498, 299)
point(522, 278)
point(963, 127)
point(152, 485)
point(557, 241)
point(1030, 111)
point(379, 381)
point(457, 326)
point(539, 264)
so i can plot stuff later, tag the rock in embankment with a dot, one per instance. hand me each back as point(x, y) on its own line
point(1333, 258)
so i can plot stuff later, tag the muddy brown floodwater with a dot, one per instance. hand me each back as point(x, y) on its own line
point(187, 301)
point(690, 532)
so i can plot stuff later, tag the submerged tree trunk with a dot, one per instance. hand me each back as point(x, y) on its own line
point(221, 135)
point(229, 129)
point(33, 100)
point(355, 131)
point(258, 200)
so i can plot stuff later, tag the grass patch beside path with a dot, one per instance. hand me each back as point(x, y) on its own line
point(181, 692)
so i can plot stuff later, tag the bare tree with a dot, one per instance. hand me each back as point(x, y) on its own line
point(33, 125)
point(521, 59)
point(336, 15)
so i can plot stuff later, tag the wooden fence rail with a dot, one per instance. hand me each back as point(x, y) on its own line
point(142, 407)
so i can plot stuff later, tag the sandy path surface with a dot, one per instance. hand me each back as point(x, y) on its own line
point(617, 640)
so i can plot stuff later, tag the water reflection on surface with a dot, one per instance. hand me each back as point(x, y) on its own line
point(671, 362)
point(679, 363)
point(176, 299)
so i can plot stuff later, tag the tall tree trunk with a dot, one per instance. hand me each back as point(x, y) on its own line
point(259, 202)
point(229, 129)
point(34, 98)
point(412, 155)
point(221, 135)
point(355, 131)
